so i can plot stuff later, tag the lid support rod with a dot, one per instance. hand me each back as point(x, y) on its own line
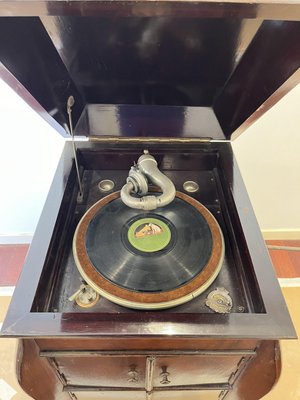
point(70, 104)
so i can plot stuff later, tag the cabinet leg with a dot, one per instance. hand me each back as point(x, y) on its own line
point(261, 374)
point(35, 375)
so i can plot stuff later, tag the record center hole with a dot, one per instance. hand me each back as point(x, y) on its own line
point(106, 185)
point(190, 186)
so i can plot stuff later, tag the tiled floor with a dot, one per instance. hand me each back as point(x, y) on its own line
point(287, 265)
point(11, 261)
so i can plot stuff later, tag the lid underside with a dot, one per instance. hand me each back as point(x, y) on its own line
point(222, 67)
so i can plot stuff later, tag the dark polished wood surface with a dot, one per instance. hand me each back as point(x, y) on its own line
point(270, 320)
point(29, 364)
point(272, 57)
point(143, 121)
point(286, 10)
point(228, 57)
point(248, 384)
point(226, 373)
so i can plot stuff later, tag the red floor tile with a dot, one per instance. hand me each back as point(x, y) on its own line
point(286, 262)
point(11, 261)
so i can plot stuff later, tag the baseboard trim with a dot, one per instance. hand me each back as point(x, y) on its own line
point(289, 282)
point(281, 234)
point(24, 238)
point(6, 291)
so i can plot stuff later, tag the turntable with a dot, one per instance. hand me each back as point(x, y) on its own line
point(148, 283)
point(163, 251)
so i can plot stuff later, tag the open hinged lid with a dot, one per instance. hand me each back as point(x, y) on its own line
point(152, 68)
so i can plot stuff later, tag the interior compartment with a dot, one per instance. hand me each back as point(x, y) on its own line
point(60, 277)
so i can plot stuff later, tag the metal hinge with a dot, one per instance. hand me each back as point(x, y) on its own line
point(233, 377)
point(70, 104)
point(59, 374)
point(222, 394)
point(148, 139)
point(240, 366)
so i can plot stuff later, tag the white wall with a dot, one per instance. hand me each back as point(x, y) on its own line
point(29, 154)
point(268, 155)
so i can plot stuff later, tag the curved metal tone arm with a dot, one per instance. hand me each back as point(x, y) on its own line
point(137, 183)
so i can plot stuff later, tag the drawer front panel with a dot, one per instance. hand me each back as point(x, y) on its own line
point(197, 370)
point(187, 395)
point(168, 395)
point(103, 371)
point(146, 344)
point(115, 395)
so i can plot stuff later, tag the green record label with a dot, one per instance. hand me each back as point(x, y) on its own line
point(149, 234)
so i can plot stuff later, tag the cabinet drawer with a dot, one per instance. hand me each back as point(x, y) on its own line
point(196, 370)
point(127, 372)
point(187, 395)
point(115, 395)
point(132, 395)
point(110, 371)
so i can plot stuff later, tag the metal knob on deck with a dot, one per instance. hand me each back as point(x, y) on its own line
point(85, 296)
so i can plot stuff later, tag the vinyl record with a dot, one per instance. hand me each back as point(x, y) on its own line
point(148, 260)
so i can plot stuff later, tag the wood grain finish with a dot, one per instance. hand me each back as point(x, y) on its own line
point(248, 385)
point(109, 395)
point(187, 395)
point(147, 332)
point(267, 318)
point(228, 36)
point(182, 370)
point(245, 92)
point(46, 385)
point(40, 52)
point(147, 344)
point(103, 371)
point(198, 370)
point(102, 377)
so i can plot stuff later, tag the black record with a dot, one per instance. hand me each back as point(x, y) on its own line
point(184, 256)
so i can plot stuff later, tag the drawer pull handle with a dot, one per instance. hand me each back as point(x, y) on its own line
point(133, 374)
point(164, 376)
